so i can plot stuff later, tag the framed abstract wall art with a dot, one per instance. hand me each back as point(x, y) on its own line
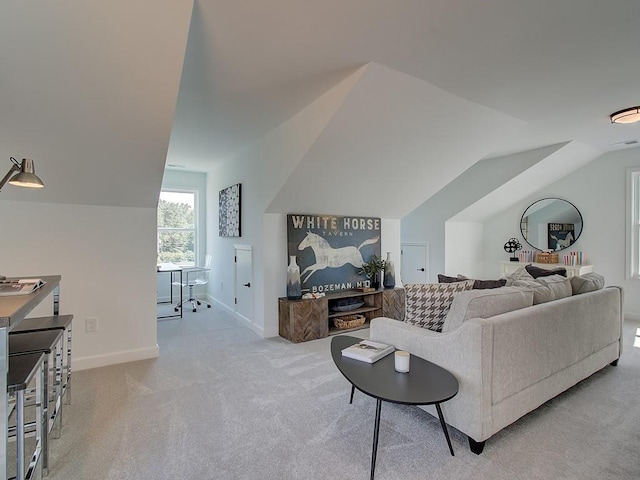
point(229, 214)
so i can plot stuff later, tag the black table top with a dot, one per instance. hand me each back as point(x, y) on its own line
point(426, 383)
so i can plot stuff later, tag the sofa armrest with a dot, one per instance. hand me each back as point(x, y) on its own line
point(466, 352)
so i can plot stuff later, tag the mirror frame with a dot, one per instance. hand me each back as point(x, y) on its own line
point(551, 198)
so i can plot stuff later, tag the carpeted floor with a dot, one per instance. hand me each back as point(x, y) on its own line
point(221, 403)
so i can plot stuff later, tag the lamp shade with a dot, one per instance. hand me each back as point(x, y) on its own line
point(26, 177)
point(628, 115)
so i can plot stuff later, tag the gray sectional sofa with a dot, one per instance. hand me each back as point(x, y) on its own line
point(516, 358)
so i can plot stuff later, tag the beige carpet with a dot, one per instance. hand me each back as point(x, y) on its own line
point(220, 403)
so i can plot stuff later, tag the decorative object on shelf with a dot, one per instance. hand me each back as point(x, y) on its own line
point(229, 211)
point(312, 296)
point(527, 256)
point(372, 269)
point(551, 224)
point(346, 304)
point(512, 246)
point(25, 174)
point(349, 321)
point(389, 279)
point(575, 258)
point(628, 115)
point(294, 290)
point(546, 257)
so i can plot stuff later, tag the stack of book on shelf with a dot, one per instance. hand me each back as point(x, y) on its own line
point(367, 351)
point(19, 287)
point(527, 256)
point(575, 258)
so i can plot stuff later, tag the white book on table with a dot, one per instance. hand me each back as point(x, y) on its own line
point(368, 351)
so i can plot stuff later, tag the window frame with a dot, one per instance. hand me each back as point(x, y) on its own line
point(196, 221)
point(633, 223)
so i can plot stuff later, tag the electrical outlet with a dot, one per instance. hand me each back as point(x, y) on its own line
point(91, 324)
point(221, 285)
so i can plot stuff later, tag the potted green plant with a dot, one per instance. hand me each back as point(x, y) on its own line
point(372, 270)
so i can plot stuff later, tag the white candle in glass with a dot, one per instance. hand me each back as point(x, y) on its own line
point(402, 361)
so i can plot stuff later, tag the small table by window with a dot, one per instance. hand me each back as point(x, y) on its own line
point(171, 269)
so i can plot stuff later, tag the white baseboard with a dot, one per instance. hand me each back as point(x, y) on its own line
point(95, 361)
point(632, 316)
point(244, 320)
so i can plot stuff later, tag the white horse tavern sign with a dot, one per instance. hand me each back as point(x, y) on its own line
point(331, 249)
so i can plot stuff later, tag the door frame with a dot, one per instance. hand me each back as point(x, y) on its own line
point(426, 257)
point(236, 248)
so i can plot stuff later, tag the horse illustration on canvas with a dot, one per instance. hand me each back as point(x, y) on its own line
point(562, 242)
point(329, 257)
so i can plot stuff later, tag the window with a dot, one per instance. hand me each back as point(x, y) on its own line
point(633, 224)
point(177, 227)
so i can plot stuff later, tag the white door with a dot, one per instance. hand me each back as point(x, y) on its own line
point(244, 287)
point(415, 263)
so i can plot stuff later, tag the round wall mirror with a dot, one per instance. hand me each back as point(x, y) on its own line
point(551, 224)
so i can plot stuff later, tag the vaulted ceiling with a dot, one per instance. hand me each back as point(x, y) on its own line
point(558, 67)
point(98, 92)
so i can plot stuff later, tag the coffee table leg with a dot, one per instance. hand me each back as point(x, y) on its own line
point(444, 428)
point(376, 431)
point(353, 389)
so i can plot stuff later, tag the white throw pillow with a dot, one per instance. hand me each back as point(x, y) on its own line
point(519, 274)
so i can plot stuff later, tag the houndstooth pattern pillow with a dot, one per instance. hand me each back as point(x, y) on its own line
point(428, 304)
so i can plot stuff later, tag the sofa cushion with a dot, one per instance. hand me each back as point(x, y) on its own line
point(589, 282)
point(537, 272)
point(546, 289)
point(477, 284)
point(519, 274)
point(428, 304)
point(484, 304)
point(445, 279)
point(489, 284)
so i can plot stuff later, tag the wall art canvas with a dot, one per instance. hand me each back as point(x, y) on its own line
point(561, 235)
point(229, 211)
point(331, 249)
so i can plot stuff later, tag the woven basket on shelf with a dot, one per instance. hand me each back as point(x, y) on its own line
point(547, 258)
point(349, 321)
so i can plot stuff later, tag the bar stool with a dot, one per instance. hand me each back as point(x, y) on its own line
point(53, 322)
point(23, 369)
point(49, 343)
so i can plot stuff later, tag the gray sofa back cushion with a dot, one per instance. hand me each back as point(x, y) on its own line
point(589, 282)
point(546, 289)
point(485, 304)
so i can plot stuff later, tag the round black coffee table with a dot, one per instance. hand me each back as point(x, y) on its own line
point(425, 384)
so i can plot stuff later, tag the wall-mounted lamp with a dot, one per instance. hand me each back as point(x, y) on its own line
point(628, 115)
point(25, 176)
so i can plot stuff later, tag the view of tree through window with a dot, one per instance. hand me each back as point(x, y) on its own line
point(177, 228)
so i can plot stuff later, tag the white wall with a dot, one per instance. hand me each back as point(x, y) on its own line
point(106, 257)
point(464, 248)
point(598, 190)
point(262, 169)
